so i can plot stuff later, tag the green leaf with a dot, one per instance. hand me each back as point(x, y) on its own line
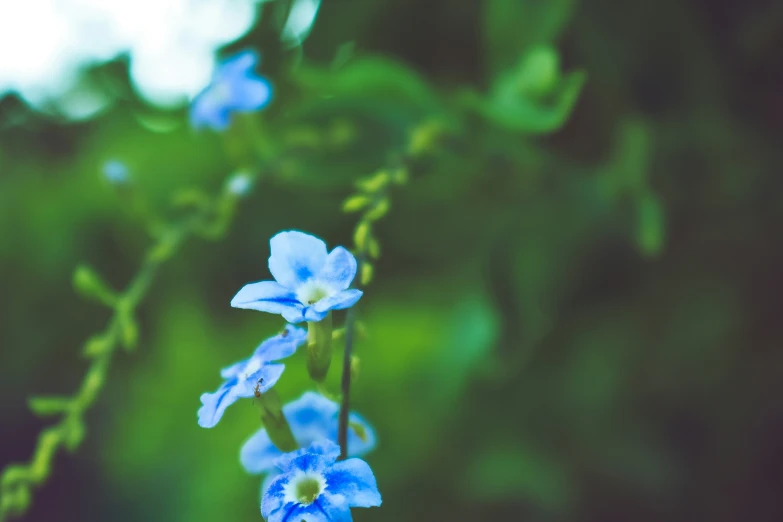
point(539, 71)
point(510, 108)
point(361, 234)
point(379, 210)
point(74, 434)
point(650, 225)
point(164, 248)
point(375, 182)
point(95, 346)
point(367, 273)
point(191, 197)
point(45, 406)
point(372, 78)
point(423, 137)
point(513, 26)
point(373, 248)
point(88, 283)
point(356, 202)
point(129, 331)
point(356, 367)
point(13, 474)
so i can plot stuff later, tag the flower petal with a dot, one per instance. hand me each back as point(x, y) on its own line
point(323, 509)
point(239, 64)
point(361, 436)
point(295, 315)
point(207, 111)
point(339, 269)
point(312, 417)
point(274, 498)
point(314, 457)
point(311, 315)
point(258, 454)
point(353, 480)
point(233, 370)
point(264, 378)
point(214, 404)
point(270, 476)
point(282, 345)
point(250, 93)
point(296, 257)
point(338, 301)
point(268, 296)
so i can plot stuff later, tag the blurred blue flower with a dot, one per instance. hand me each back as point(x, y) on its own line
point(116, 172)
point(308, 281)
point(312, 417)
point(239, 184)
point(316, 488)
point(246, 377)
point(234, 88)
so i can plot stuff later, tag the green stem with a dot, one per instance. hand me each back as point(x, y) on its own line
point(345, 386)
point(17, 481)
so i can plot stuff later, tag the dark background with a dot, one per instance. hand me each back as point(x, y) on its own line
point(577, 325)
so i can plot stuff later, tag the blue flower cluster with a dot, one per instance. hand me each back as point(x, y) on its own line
point(310, 483)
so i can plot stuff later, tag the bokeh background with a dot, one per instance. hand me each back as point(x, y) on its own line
point(573, 320)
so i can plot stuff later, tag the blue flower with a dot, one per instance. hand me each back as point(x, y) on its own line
point(239, 184)
point(234, 88)
point(308, 281)
point(315, 488)
point(115, 172)
point(312, 417)
point(246, 377)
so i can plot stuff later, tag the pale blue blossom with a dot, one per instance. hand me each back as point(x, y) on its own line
point(256, 374)
point(239, 184)
point(115, 172)
point(314, 487)
point(309, 282)
point(235, 87)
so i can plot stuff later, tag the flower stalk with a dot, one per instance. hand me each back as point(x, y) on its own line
point(345, 387)
point(17, 481)
point(319, 348)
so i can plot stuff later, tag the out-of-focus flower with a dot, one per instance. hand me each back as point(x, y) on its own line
point(239, 184)
point(235, 87)
point(170, 46)
point(312, 417)
point(255, 374)
point(316, 488)
point(116, 172)
point(308, 281)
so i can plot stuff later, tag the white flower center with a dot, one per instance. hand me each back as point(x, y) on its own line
point(304, 488)
point(312, 291)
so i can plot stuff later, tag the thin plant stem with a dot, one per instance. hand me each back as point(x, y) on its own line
point(345, 386)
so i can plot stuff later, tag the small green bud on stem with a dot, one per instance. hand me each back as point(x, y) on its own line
point(274, 421)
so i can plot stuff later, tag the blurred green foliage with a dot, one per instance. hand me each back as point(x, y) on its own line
point(575, 316)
